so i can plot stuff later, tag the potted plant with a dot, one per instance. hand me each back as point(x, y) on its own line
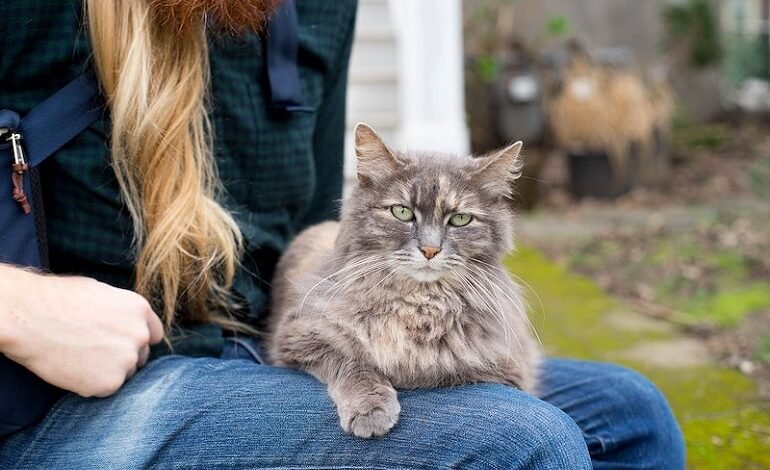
point(606, 119)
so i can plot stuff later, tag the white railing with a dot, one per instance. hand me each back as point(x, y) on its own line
point(406, 76)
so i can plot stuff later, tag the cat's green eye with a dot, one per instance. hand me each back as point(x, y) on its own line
point(460, 220)
point(402, 213)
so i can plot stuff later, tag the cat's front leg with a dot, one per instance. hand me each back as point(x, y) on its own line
point(366, 401)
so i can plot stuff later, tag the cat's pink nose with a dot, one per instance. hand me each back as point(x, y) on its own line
point(430, 251)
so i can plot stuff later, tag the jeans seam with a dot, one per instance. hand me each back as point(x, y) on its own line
point(46, 422)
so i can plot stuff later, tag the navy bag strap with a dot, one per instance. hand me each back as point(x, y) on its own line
point(24, 398)
point(58, 119)
point(43, 131)
point(281, 52)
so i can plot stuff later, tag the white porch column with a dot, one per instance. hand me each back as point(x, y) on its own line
point(430, 59)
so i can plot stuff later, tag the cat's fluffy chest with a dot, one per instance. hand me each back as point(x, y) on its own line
point(424, 337)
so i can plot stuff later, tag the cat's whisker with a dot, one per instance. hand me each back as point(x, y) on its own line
point(498, 318)
point(513, 297)
point(498, 312)
point(326, 278)
point(367, 270)
point(351, 279)
point(501, 319)
point(504, 279)
point(393, 273)
point(518, 278)
point(293, 281)
point(516, 304)
point(362, 270)
point(353, 256)
point(522, 309)
point(517, 295)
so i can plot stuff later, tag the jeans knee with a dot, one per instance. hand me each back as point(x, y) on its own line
point(559, 443)
point(649, 423)
point(533, 434)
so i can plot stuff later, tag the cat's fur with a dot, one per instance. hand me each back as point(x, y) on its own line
point(358, 305)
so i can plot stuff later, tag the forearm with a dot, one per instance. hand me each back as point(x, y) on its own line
point(14, 288)
point(74, 332)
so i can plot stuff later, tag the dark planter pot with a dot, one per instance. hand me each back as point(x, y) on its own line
point(520, 117)
point(657, 171)
point(593, 175)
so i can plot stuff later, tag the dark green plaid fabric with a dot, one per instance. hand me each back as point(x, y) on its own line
point(280, 173)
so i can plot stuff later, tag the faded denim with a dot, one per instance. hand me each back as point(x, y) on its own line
point(181, 412)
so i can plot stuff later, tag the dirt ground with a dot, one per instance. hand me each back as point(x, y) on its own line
point(695, 251)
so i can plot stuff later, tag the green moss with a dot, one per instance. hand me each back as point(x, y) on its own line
point(759, 175)
point(724, 424)
point(733, 267)
point(595, 254)
point(570, 310)
point(727, 307)
point(720, 288)
point(700, 137)
point(762, 352)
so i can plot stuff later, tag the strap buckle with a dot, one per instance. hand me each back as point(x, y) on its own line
point(14, 138)
point(18, 168)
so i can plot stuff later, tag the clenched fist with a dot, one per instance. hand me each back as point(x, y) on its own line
point(76, 333)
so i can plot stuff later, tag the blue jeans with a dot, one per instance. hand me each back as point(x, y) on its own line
point(181, 412)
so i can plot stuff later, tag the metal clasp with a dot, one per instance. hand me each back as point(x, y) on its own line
point(18, 168)
point(15, 139)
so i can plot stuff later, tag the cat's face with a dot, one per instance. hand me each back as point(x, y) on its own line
point(427, 216)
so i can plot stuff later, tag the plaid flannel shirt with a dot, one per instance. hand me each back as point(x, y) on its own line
point(279, 174)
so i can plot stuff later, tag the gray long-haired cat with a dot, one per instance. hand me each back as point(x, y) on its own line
point(407, 291)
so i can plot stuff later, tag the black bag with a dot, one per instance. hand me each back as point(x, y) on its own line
point(24, 144)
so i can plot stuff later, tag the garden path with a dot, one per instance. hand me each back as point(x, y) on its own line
point(726, 424)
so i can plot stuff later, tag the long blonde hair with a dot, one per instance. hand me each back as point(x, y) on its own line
point(155, 80)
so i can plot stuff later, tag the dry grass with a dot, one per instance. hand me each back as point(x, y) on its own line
point(605, 109)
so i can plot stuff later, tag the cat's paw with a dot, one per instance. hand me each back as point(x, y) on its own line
point(371, 416)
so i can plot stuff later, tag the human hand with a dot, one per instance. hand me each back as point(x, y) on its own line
point(76, 333)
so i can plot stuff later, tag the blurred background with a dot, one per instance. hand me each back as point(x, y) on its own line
point(644, 230)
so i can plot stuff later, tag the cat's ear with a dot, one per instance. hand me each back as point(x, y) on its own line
point(499, 170)
point(375, 159)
